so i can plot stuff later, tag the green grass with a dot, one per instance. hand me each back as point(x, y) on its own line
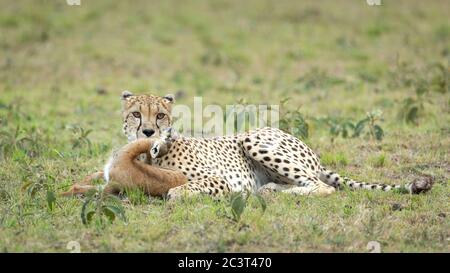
point(62, 69)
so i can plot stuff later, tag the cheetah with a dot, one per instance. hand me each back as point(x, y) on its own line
point(262, 160)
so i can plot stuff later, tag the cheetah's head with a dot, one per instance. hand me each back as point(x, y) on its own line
point(145, 115)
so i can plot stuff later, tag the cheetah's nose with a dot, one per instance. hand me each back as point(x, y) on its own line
point(148, 132)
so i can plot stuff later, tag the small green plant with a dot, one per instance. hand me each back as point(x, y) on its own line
point(80, 137)
point(13, 112)
point(18, 140)
point(102, 207)
point(9, 140)
point(371, 123)
point(42, 182)
point(434, 78)
point(238, 203)
point(318, 78)
point(293, 122)
point(20, 137)
point(345, 127)
point(214, 58)
point(413, 107)
point(339, 127)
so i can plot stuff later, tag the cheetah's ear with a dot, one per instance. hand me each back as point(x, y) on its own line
point(169, 98)
point(126, 94)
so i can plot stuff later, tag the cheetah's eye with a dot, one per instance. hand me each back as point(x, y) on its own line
point(160, 116)
point(136, 114)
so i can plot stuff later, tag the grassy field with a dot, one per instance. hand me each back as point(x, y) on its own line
point(62, 69)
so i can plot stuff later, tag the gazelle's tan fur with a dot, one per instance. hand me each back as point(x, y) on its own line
point(126, 171)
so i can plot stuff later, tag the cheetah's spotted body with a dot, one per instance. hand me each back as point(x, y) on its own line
point(266, 159)
point(263, 158)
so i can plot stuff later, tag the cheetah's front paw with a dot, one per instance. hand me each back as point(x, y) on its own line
point(176, 193)
point(267, 189)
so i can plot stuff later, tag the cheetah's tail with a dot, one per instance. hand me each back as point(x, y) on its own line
point(419, 185)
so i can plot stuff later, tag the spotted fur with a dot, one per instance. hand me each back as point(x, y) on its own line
point(265, 160)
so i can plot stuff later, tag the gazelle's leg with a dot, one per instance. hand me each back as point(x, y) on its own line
point(84, 186)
